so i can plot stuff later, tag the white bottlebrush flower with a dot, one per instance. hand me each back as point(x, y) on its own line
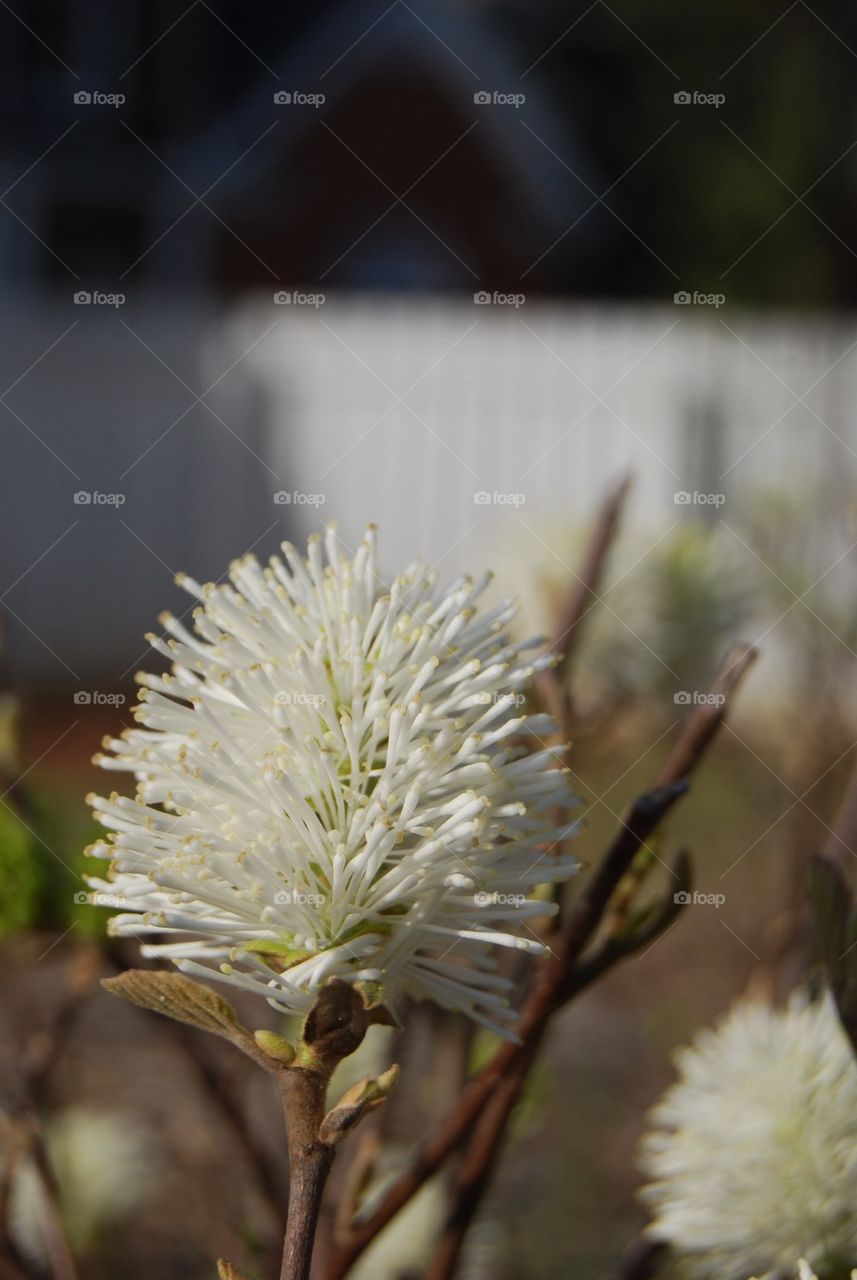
point(337, 780)
point(753, 1153)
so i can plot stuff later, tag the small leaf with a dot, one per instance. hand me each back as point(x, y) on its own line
point(176, 996)
point(354, 1104)
point(276, 1046)
point(637, 931)
point(665, 912)
point(226, 1271)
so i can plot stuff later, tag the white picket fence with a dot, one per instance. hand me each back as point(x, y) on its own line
point(401, 411)
point(405, 412)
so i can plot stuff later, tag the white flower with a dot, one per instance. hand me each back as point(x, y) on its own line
point(753, 1153)
point(336, 780)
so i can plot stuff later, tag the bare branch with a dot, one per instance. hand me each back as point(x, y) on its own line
point(487, 1101)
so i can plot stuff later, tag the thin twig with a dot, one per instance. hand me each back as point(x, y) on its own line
point(584, 590)
point(640, 1261)
point(843, 838)
point(40, 1058)
point(484, 1148)
point(704, 721)
point(548, 992)
point(582, 596)
point(310, 1160)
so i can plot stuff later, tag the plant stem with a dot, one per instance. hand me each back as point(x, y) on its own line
point(303, 1093)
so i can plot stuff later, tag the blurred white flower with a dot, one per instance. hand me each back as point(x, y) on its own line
point(103, 1166)
point(337, 780)
point(753, 1153)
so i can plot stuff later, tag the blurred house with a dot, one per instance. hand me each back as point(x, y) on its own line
point(200, 179)
point(148, 161)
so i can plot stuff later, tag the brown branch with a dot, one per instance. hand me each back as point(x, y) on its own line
point(550, 990)
point(587, 582)
point(704, 721)
point(310, 1159)
point(579, 602)
point(484, 1148)
point(843, 837)
point(41, 1056)
point(640, 1261)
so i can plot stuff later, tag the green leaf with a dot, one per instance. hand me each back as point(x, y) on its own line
point(21, 878)
point(176, 996)
point(275, 1045)
point(354, 1104)
point(226, 1271)
point(637, 932)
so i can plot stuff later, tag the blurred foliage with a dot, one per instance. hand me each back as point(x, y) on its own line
point(42, 865)
point(665, 619)
point(702, 198)
point(22, 877)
